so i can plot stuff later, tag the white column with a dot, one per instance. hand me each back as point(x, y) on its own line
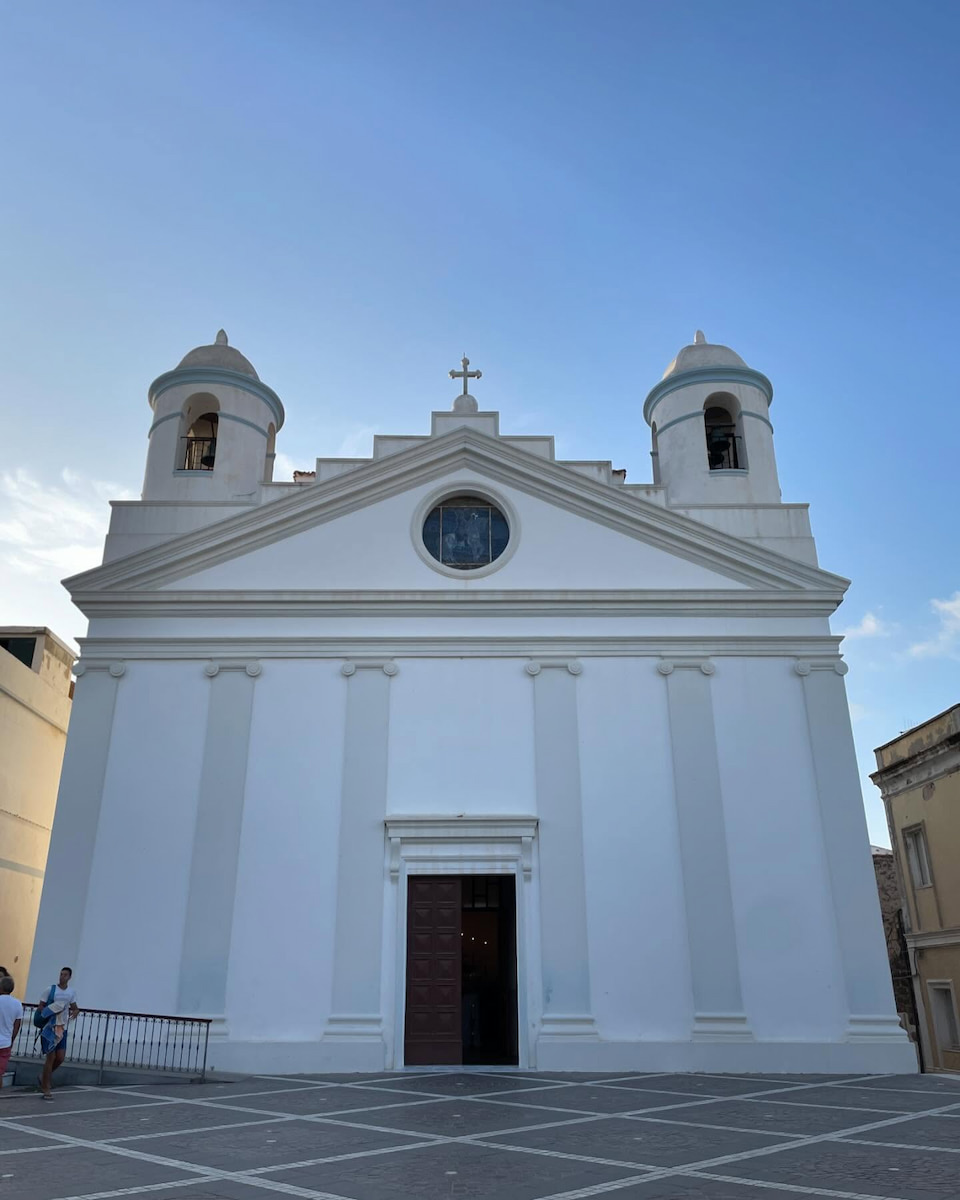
point(863, 954)
point(354, 1031)
point(711, 930)
point(63, 901)
point(564, 946)
point(205, 955)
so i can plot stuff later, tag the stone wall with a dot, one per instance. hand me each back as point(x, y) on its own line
point(890, 903)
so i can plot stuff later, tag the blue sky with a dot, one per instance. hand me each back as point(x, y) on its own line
point(359, 192)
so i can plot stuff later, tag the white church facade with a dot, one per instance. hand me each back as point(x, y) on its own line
point(461, 753)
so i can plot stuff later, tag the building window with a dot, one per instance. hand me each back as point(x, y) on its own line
point(22, 648)
point(465, 532)
point(199, 447)
point(918, 860)
point(943, 1008)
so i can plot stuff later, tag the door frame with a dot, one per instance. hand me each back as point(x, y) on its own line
point(461, 846)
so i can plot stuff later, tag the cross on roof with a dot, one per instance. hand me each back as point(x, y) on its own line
point(465, 374)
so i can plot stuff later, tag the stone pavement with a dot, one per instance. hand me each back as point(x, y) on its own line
point(479, 1134)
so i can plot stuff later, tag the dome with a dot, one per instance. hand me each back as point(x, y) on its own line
point(703, 354)
point(221, 355)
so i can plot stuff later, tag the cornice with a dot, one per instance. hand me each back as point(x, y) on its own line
point(544, 651)
point(463, 448)
point(684, 379)
point(180, 376)
point(927, 766)
point(442, 826)
point(935, 937)
point(454, 602)
point(410, 837)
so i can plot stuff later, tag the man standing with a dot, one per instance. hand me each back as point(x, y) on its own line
point(11, 1014)
point(59, 1006)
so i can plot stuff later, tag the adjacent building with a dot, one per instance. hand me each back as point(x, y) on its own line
point(36, 688)
point(473, 753)
point(919, 777)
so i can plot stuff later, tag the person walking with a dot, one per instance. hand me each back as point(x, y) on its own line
point(11, 1014)
point(57, 1008)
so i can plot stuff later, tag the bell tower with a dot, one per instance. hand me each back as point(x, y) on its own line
point(710, 421)
point(214, 430)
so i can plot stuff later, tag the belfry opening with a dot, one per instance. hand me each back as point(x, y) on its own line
point(461, 984)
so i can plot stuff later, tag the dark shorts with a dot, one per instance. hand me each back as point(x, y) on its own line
point(47, 1040)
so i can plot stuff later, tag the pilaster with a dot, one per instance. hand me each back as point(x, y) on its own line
point(567, 1009)
point(866, 973)
point(354, 1032)
point(73, 840)
point(208, 924)
point(711, 929)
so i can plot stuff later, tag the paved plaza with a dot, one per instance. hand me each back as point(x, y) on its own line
point(478, 1134)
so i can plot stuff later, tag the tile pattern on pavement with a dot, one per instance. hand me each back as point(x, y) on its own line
point(476, 1135)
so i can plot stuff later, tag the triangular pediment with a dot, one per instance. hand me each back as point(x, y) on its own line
point(630, 542)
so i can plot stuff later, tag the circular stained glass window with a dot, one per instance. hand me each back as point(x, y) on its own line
point(465, 532)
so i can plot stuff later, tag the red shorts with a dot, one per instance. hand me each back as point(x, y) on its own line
point(5, 1058)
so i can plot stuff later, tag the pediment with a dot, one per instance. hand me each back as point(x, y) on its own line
point(354, 533)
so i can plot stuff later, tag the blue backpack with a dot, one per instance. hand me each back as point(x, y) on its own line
point(39, 1019)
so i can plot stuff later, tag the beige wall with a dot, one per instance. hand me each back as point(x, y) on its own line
point(34, 714)
point(919, 776)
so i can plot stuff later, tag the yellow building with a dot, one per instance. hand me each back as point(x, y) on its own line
point(919, 778)
point(35, 698)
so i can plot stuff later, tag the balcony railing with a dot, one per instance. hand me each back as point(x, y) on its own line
point(198, 453)
point(103, 1038)
point(723, 449)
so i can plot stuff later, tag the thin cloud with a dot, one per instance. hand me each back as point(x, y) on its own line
point(353, 441)
point(49, 529)
point(869, 626)
point(946, 641)
point(356, 442)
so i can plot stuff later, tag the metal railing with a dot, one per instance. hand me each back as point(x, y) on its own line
point(103, 1038)
point(723, 448)
point(199, 454)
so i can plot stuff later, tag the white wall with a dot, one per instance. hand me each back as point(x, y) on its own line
point(639, 966)
point(790, 967)
point(281, 952)
point(133, 927)
point(461, 738)
point(372, 548)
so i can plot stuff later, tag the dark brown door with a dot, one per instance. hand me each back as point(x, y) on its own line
point(432, 1033)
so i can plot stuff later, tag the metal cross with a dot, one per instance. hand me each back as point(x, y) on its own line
point(465, 374)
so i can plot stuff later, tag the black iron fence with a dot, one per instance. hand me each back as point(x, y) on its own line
point(199, 454)
point(724, 450)
point(102, 1038)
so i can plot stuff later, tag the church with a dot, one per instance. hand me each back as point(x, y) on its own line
point(466, 754)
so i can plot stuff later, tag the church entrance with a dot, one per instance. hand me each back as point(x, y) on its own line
point(461, 991)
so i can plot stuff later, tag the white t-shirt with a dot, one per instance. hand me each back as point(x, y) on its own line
point(64, 996)
point(11, 1011)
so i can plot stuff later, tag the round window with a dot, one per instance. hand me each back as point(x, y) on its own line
point(465, 532)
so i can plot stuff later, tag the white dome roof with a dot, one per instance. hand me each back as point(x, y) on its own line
point(703, 354)
point(221, 355)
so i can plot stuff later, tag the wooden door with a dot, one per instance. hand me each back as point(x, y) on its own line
point(432, 1033)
